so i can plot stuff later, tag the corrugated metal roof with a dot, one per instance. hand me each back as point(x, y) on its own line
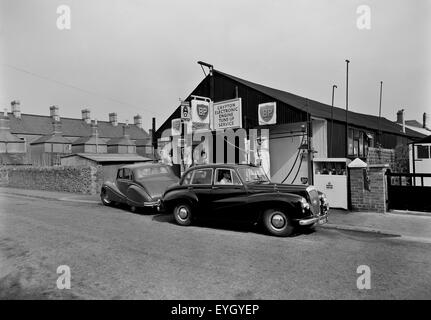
point(321, 110)
point(42, 125)
point(110, 157)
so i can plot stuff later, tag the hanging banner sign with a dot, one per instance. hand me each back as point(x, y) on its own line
point(227, 114)
point(176, 127)
point(200, 115)
point(267, 113)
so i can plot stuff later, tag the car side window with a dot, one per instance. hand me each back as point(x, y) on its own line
point(235, 179)
point(120, 174)
point(202, 176)
point(188, 178)
point(127, 174)
point(226, 176)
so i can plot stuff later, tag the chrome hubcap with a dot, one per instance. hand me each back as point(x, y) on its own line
point(277, 221)
point(183, 213)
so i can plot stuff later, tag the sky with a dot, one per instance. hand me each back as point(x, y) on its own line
point(140, 56)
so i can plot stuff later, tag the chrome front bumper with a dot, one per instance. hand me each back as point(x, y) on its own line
point(319, 219)
point(152, 204)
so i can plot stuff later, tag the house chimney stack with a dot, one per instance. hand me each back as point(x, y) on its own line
point(138, 121)
point(400, 119)
point(400, 116)
point(427, 121)
point(16, 109)
point(113, 119)
point(86, 115)
point(53, 112)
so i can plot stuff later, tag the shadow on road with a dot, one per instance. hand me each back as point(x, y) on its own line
point(228, 226)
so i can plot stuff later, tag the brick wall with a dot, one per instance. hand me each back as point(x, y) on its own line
point(78, 179)
point(381, 156)
point(373, 199)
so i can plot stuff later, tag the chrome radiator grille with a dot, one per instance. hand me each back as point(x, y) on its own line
point(314, 200)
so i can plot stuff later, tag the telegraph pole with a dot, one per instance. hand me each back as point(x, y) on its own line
point(347, 105)
point(380, 112)
point(332, 117)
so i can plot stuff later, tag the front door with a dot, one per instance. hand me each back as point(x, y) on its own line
point(228, 196)
point(123, 180)
point(200, 185)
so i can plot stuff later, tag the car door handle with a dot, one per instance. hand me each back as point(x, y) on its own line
point(190, 188)
point(215, 187)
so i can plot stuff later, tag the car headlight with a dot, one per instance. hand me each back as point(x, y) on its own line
point(322, 198)
point(304, 204)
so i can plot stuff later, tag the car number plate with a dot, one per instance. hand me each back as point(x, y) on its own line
point(324, 220)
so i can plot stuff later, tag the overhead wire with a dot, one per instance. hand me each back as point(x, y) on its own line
point(77, 88)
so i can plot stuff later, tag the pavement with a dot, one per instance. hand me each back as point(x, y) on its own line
point(414, 226)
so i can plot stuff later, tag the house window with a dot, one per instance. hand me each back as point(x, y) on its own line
point(350, 142)
point(358, 143)
point(423, 152)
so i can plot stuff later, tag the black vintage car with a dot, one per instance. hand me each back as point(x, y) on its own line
point(243, 193)
point(138, 185)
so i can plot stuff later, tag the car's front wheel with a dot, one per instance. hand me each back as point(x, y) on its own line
point(183, 214)
point(277, 223)
point(105, 198)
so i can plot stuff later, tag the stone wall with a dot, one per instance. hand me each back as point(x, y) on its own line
point(371, 198)
point(76, 179)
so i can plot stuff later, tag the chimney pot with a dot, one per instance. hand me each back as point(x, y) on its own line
point(113, 119)
point(53, 111)
point(15, 108)
point(400, 116)
point(138, 121)
point(86, 115)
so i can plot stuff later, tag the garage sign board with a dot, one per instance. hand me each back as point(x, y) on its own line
point(200, 114)
point(267, 113)
point(227, 114)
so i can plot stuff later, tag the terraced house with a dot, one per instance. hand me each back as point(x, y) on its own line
point(42, 140)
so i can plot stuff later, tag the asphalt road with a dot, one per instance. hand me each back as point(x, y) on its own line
point(114, 254)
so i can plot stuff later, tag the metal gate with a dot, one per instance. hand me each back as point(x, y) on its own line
point(409, 191)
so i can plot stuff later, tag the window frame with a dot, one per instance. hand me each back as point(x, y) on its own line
point(202, 184)
point(232, 172)
point(427, 147)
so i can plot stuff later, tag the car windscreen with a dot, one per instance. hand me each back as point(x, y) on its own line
point(253, 175)
point(150, 171)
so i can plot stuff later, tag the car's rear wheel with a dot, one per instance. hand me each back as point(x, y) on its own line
point(105, 198)
point(183, 214)
point(277, 223)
